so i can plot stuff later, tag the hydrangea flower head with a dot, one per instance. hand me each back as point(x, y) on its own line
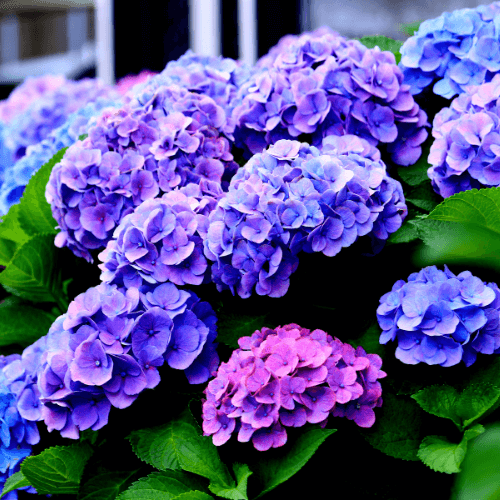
point(109, 345)
point(293, 198)
point(321, 84)
point(285, 377)
point(162, 240)
point(134, 154)
point(17, 434)
point(453, 51)
point(465, 151)
point(441, 319)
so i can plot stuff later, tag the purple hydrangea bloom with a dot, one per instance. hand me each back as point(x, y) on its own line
point(286, 377)
point(464, 154)
point(134, 154)
point(293, 198)
point(162, 240)
point(453, 51)
point(18, 397)
point(321, 84)
point(108, 348)
point(441, 319)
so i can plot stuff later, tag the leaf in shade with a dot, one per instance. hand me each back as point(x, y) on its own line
point(21, 323)
point(410, 28)
point(272, 472)
point(239, 492)
point(106, 485)
point(416, 174)
point(396, 431)
point(231, 327)
point(33, 272)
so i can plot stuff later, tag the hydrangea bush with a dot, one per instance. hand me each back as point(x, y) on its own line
point(209, 183)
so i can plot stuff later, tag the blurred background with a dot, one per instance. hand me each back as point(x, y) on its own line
point(106, 38)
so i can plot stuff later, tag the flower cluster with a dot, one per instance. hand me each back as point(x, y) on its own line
point(466, 148)
point(31, 90)
point(17, 176)
point(160, 241)
point(49, 112)
point(107, 348)
point(286, 377)
point(453, 51)
point(319, 83)
point(133, 154)
point(17, 434)
point(440, 319)
point(216, 77)
point(292, 198)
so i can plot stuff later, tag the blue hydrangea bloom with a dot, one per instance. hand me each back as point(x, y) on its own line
point(453, 51)
point(439, 318)
point(294, 198)
point(464, 154)
point(321, 84)
point(108, 347)
point(18, 175)
point(17, 435)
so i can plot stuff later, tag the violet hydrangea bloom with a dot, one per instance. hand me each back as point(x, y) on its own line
point(286, 377)
point(293, 198)
point(464, 154)
point(453, 51)
point(162, 240)
point(321, 84)
point(108, 347)
point(441, 319)
point(17, 435)
point(137, 153)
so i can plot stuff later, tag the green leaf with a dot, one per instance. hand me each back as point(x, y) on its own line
point(406, 233)
point(179, 445)
point(35, 214)
point(273, 472)
point(480, 475)
point(459, 243)
point(242, 473)
point(462, 408)
point(11, 235)
point(21, 323)
point(441, 455)
point(383, 43)
point(230, 327)
point(14, 482)
point(441, 401)
point(417, 173)
point(33, 272)
point(396, 431)
point(58, 469)
point(167, 485)
point(106, 486)
point(410, 28)
point(423, 197)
